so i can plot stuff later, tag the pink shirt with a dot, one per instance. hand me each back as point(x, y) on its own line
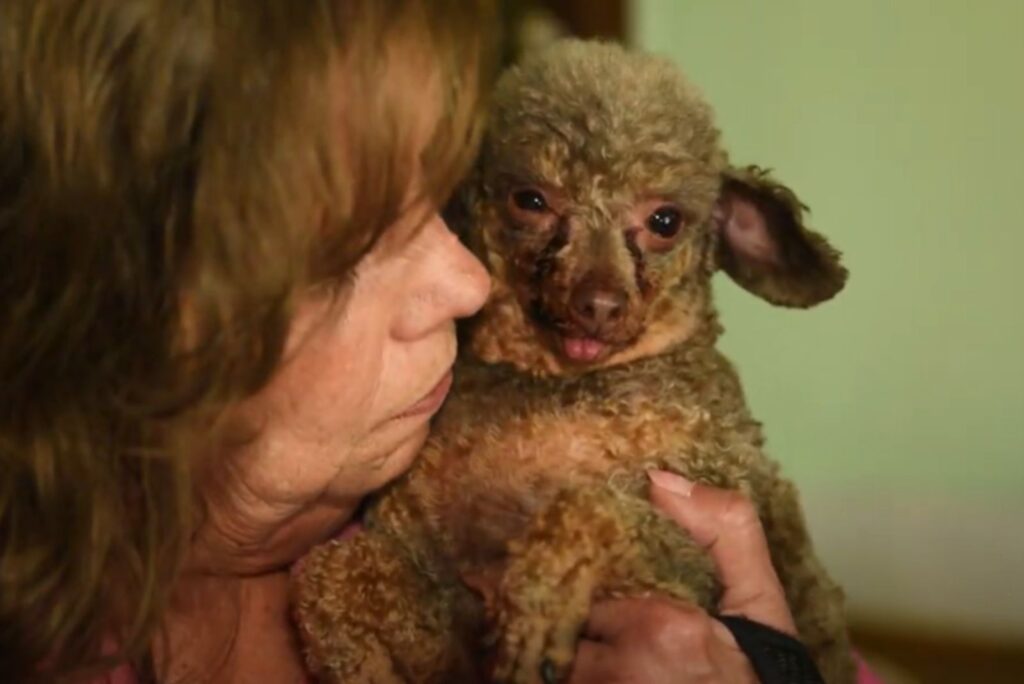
point(122, 675)
point(864, 675)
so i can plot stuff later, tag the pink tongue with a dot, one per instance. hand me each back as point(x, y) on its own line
point(583, 348)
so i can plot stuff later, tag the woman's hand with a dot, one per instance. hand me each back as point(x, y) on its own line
point(659, 640)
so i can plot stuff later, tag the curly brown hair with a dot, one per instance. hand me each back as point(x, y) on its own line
point(172, 174)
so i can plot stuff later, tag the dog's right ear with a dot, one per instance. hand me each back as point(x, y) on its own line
point(461, 212)
point(764, 246)
point(456, 211)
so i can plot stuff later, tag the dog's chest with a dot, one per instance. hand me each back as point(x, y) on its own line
point(505, 445)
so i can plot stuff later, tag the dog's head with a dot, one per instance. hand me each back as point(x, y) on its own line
point(603, 203)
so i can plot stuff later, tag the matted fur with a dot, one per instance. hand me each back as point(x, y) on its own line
point(529, 501)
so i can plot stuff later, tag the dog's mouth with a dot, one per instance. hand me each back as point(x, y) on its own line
point(584, 349)
point(571, 343)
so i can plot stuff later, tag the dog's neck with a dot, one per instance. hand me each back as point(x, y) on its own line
point(502, 333)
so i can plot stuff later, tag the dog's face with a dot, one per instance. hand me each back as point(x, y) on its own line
point(603, 204)
point(593, 265)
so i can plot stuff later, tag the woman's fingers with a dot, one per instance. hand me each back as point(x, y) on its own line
point(654, 641)
point(594, 661)
point(726, 523)
point(643, 620)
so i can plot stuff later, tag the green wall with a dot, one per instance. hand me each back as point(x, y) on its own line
point(902, 125)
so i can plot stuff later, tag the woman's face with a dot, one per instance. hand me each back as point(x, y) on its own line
point(365, 372)
point(349, 408)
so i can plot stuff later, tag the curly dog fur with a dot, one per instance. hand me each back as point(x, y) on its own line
point(603, 203)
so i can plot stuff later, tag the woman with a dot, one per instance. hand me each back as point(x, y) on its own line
point(226, 316)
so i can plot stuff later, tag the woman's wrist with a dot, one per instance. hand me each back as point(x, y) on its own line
point(776, 657)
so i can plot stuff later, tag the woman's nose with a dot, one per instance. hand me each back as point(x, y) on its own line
point(471, 284)
point(449, 282)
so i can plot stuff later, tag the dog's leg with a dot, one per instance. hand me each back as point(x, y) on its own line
point(370, 612)
point(815, 599)
point(588, 545)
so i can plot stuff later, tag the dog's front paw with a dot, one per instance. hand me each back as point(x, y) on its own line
point(549, 583)
point(588, 544)
point(542, 609)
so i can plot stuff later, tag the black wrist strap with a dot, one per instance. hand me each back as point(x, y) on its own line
point(777, 658)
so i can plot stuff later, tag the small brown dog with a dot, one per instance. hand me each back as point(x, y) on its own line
point(602, 204)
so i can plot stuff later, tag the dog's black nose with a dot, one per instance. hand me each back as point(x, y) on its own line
point(596, 304)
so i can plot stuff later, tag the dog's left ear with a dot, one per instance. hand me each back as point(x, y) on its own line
point(764, 246)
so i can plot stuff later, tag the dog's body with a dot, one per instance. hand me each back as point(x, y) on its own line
point(594, 361)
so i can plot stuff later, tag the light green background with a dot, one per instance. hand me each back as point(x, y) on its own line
point(901, 124)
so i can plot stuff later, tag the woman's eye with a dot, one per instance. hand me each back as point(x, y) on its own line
point(530, 200)
point(665, 222)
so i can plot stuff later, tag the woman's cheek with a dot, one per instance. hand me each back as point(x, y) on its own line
point(376, 464)
point(401, 458)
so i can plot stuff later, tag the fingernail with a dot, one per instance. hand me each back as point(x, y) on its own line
point(677, 484)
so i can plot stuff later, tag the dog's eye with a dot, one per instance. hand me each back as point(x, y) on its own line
point(530, 200)
point(665, 221)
